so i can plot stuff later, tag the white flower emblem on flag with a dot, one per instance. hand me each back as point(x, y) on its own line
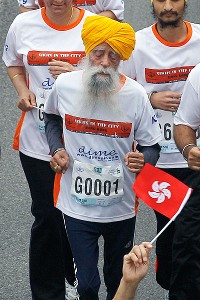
point(160, 191)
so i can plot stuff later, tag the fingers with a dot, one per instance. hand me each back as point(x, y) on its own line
point(134, 161)
point(26, 103)
point(57, 168)
point(166, 100)
point(139, 254)
point(57, 67)
point(194, 158)
point(59, 162)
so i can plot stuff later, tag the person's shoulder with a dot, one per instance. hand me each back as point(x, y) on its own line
point(22, 18)
point(69, 77)
point(195, 72)
point(143, 35)
point(86, 12)
point(133, 86)
point(144, 31)
point(195, 27)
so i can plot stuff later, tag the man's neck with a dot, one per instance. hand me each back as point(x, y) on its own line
point(173, 34)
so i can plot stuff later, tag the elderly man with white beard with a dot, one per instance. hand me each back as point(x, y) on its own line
point(102, 114)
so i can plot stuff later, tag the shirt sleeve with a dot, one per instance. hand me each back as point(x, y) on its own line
point(116, 6)
point(188, 112)
point(151, 153)
point(10, 56)
point(147, 130)
point(29, 3)
point(53, 121)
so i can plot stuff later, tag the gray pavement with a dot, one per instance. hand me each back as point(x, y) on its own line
point(15, 202)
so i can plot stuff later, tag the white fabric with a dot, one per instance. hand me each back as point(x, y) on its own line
point(29, 3)
point(116, 6)
point(101, 148)
point(189, 109)
point(29, 32)
point(164, 62)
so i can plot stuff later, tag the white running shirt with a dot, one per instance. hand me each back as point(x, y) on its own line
point(97, 145)
point(189, 110)
point(32, 41)
point(161, 66)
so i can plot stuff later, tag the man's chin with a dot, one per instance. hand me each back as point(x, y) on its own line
point(169, 23)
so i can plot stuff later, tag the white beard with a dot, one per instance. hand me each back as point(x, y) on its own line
point(99, 90)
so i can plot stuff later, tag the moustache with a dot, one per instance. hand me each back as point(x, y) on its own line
point(168, 13)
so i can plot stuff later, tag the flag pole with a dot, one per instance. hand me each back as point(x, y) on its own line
point(187, 196)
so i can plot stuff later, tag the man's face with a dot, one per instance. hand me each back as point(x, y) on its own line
point(101, 79)
point(169, 12)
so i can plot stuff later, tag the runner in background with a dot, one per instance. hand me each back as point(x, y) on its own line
point(164, 55)
point(110, 8)
point(53, 46)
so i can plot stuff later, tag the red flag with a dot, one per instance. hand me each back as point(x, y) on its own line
point(161, 191)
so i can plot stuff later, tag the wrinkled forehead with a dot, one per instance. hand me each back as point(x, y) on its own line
point(103, 46)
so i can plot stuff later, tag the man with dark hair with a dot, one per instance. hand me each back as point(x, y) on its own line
point(164, 55)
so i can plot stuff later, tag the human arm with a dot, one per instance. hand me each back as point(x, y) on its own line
point(187, 120)
point(135, 267)
point(135, 160)
point(57, 67)
point(113, 9)
point(28, 5)
point(17, 75)
point(166, 100)
point(185, 138)
point(116, 7)
point(53, 129)
point(24, 9)
point(109, 14)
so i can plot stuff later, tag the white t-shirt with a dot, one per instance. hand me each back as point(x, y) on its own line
point(189, 109)
point(95, 6)
point(97, 145)
point(161, 66)
point(32, 41)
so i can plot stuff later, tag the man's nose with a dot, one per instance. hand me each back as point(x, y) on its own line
point(105, 61)
point(168, 5)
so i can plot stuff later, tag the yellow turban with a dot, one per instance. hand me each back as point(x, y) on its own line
point(100, 29)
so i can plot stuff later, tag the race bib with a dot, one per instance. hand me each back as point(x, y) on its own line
point(38, 113)
point(166, 122)
point(97, 185)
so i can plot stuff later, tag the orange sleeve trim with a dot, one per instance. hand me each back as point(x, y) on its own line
point(168, 44)
point(62, 28)
point(56, 189)
point(17, 132)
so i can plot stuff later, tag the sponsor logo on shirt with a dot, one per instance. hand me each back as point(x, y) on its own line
point(154, 119)
point(167, 75)
point(47, 84)
point(98, 127)
point(6, 47)
point(41, 58)
point(98, 155)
